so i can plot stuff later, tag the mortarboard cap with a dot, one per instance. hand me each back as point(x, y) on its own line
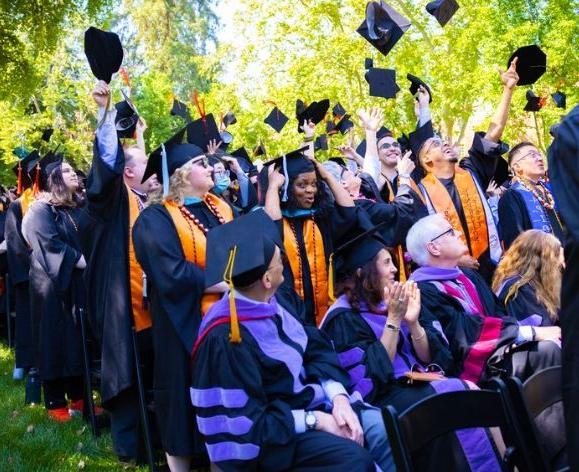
point(442, 10)
point(321, 143)
point(418, 137)
point(368, 63)
point(104, 52)
point(23, 169)
point(48, 164)
point(203, 130)
point(126, 118)
point(382, 82)
point(229, 119)
point(244, 160)
point(357, 252)
point(259, 150)
point(531, 65)
point(560, 99)
point(383, 26)
point(344, 125)
point(314, 112)
point(534, 103)
point(276, 119)
point(46, 134)
point(415, 83)
point(20, 152)
point(381, 133)
point(181, 110)
point(338, 110)
point(177, 154)
point(291, 165)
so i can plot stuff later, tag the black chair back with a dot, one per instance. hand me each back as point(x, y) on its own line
point(543, 390)
point(413, 429)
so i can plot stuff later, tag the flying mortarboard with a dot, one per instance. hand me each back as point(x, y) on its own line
point(203, 130)
point(314, 112)
point(46, 134)
point(241, 252)
point(276, 119)
point(104, 52)
point(180, 109)
point(368, 63)
point(415, 84)
point(229, 119)
point(338, 110)
point(321, 143)
point(383, 26)
point(560, 99)
point(534, 103)
point(259, 150)
point(382, 82)
point(442, 10)
point(531, 65)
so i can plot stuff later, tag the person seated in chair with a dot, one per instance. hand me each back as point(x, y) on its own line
point(375, 328)
point(482, 339)
point(268, 390)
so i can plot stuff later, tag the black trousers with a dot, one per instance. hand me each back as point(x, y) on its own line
point(57, 390)
point(24, 345)
point(320, 451)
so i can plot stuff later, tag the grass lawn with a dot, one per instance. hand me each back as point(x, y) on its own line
point(29, 441)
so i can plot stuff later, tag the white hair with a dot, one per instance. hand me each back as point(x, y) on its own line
point(421, 233)
point(334, 169)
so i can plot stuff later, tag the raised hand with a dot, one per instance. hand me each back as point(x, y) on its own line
point(423, 97)
point(275, 178)
point(372, 119)
point(397, 301)
point(405, 165)
point(309, 128)
point(413, 310)
point(213, 146)
point(100, 94)
point(510, 78)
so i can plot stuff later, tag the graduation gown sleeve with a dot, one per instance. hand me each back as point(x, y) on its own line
point(243, 429)
point(525, 304)
point(513, 217)
point(365, 358)
point(176, 284)
point(482, 158)
point(56, 258)
point(18, 252)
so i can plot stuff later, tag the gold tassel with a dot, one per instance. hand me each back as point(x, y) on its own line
point(234, 335)
point(331, 294)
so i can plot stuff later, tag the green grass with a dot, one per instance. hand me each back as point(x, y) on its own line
point(29, 441)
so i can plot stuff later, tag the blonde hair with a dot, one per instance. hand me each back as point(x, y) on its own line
point(534, 258)
point(179, 187)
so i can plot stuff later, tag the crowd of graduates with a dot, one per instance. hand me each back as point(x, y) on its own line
point(273, 306)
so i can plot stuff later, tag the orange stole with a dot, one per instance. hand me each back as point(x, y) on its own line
point(194, 242)
point(314, 247)
point(471, 204)
point(403, 271)
point(141, 315)
point(26, 199)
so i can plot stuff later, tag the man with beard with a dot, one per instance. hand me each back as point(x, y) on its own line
point(116, 296)
point(528, 203)
point(457, 190)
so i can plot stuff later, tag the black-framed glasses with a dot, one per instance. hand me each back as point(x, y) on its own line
point(394, 144)
point(448, 231)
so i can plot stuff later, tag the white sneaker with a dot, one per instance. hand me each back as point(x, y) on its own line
point(18, 373)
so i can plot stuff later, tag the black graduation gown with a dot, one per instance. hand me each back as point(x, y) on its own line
point(175, 290)
point(104, 230)
point(514, 218)
point(18, 258)
point(564, 174)
point(524, 303)
point(56, 289)
point(461, 329)
point(350, 333)
point(335, 223)
point(266, 385)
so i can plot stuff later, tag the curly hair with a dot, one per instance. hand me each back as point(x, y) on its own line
point(534, 258)
point(364, 286)
point(179, 187)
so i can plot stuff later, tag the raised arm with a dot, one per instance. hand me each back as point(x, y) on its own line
point(272, 201)
point(509, 78)
point(371, 120)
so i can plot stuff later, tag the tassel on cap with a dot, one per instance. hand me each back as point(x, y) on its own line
point(234, 335)
point(284, 197)
point(331, 293)
point(164, 171)
point(19, 179)
point(36, 186)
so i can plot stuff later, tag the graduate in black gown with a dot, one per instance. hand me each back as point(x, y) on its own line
point(115, 197)
point(564, 172)
point(311, 226)
point(268, 390)
point(528, 203)
point(50, 227)
point(169, 237)
point(374, 326)
point(18, 258)
point(528, 278)
point(474, 322)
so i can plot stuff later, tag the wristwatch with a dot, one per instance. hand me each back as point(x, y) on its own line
point(311, 421)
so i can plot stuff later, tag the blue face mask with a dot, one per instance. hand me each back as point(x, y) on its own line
point(222, 185)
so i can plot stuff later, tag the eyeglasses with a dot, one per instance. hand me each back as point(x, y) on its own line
point(394, 144)
point(221, 173)
point(431, 143)
point(448, 231)
point(203, 161)
point(536, 154)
